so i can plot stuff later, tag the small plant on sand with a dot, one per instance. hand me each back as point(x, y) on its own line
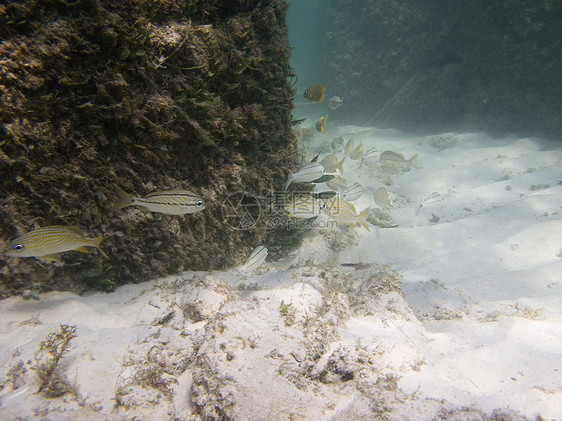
point(48, 358)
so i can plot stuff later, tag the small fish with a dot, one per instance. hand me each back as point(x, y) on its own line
point(307, 134)
point(370, 158)
point(308, 173)
point(353, 193)
point(321, 124)
point(335, 102)
point(331, 163)
point(349, 146)
point(315, 93)
point(432, 198)
point(49, 241)
point(304, 207)
point(345, 213)
point(337, 183)
point(381, 198)
point(357, 153)
point(397, 160)
point(298, 121)
point(170, 202)
point(257, 257)
point(337, 144)
point(323, 179)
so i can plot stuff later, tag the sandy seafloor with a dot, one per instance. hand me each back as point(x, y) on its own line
point(454, 313)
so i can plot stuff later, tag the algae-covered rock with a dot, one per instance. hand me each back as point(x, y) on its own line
point(143, 96)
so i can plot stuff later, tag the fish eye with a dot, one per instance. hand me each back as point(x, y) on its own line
point(18, 247)
point(199, 203)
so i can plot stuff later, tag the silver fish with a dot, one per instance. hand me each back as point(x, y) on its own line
point(331, 163)
point(381, 198)
point(337, 144)
point(357, 153)
point(370, 158)
point(432, 198)
point(353, 193)
point(171, 202)
point(308, 173)
point(335, 102)
point(257, 257)
point(338, 183)
point(49, 241)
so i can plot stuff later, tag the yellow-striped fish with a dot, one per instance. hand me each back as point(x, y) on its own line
point(49, 241)
point(304, 207)
point(257, 257)
point(345, 213)
point(171, 202)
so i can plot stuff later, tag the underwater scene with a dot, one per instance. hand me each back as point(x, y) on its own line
point(281, 210)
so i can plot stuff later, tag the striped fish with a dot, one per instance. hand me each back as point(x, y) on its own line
point(345, 213)
point(257, 257)
point(308, 173)
point(353, 193)
point(171, 202)
point(49, 241)
point(337, 183)
point(370, 158)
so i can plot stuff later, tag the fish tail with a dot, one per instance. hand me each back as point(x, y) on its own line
point(413, 161)
point(289, 180)
point(363, 218)
point(340, 165)
point(124, 199)
point(97, 242)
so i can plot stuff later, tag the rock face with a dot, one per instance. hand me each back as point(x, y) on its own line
point(144, 96)
point(480, 65)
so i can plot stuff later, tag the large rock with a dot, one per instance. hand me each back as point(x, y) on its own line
point(145, 96)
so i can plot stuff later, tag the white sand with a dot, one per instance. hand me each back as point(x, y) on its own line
point(474, 326)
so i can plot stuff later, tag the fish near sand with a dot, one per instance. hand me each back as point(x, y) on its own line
point(170, 202)
point(257, 257)
point(395, 160)
point(370, 158)
point(321, 124)
point(353, 193)
point(357, 152)
point(306, 174)
point(331, 163)
point(315, 93)
point(344, 212)
point(335, 102)
point(49, 241)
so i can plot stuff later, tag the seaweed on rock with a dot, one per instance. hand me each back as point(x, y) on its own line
point(143, 95)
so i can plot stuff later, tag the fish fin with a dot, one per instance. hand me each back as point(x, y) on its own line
point(97, 242)
point(363, 219)
point(82, 249)
point(315, 158)
point(124, 199)
point(340, 165)
point(289, 180)
point(52, 257)
point(76, 229)
point(414, 162)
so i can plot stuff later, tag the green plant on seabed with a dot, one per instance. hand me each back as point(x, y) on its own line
point(48, 358)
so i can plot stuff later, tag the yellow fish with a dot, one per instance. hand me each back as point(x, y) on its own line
point(345, 213)
point(315, 93)
point(170, 202)
point(49, 241)
point(321, 123)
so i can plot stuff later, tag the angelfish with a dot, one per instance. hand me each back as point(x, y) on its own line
point(308, 173)
point(51, 240)
point(171, 202)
